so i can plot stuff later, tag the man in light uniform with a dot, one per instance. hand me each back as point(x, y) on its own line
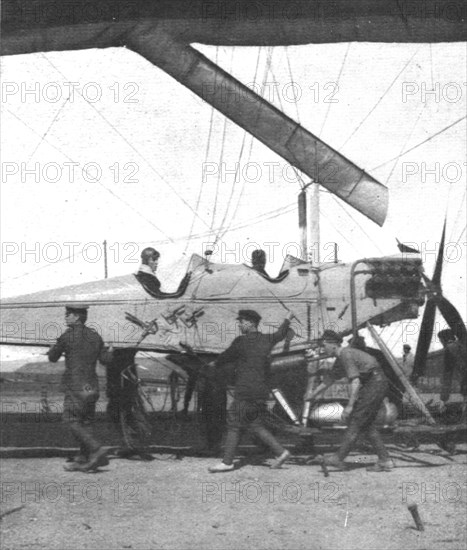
point(408, 360)
point(367, 387)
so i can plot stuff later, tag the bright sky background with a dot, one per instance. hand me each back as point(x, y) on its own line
point(161, 135)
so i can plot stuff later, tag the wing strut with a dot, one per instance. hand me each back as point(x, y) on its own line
point(261, 119)
point(401, 375)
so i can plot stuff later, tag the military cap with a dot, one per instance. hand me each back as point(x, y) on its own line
point(77, 309)
point(249, 315)
point(331, 336)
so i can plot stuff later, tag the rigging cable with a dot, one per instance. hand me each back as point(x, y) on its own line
point(206, 155)
point(240, 195)
point(406, 142)
point(99, 182)
point(370, 112)
point(49, 127)
point(337, 82)
point(221, 156)
point(294, 168)
point(357, 223)
point(220, 235)
point(115, 129)
point(421, 143)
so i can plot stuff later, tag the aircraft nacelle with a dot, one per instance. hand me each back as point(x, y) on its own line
point(336, 296)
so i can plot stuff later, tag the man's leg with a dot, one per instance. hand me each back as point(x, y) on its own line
point(69, 417)
point(235, 422)
point(234, 426)
point(189, 389)
point(76, 414)
point(256, 413)
point(377, 441)
point(366, 408)
point(136, 428)
point(82, 429)
point(350, 437)
point(214, 400)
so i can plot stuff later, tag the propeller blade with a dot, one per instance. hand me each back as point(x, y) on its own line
point(436, 280)
point(453, 318)
point(424, 339)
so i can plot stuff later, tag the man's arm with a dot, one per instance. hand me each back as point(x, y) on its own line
point(231, 354)
point(352, 372)
point(348, 362)
point(328, 381)
point(56, 351)
point(354, 386)
point(281, 332)
point(106, 355)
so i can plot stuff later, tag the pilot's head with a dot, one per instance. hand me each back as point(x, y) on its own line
point(406, 348)
point(331, 342)
point(249, 320)
point(74, 315)
point(258, 258)
point(150, 256)
point(446, 336)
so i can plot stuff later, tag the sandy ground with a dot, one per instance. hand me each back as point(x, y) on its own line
point(174, 503)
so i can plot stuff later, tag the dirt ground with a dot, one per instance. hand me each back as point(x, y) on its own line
point(174, 503)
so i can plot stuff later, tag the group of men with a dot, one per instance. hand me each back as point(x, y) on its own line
point(248, 358)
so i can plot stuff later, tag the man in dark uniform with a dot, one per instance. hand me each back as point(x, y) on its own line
point(123, 408)
point(455, 361)
point(211, 403)
point(250, 354)
point(146, 275)
point(82, 348)
point(367, 387)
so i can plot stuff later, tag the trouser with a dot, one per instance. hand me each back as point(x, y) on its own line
point(79, 412)
point(213, 406)
point(362, 420)
point(173, 382)
point(189, 389)
point(247, 415)
point(124, 410)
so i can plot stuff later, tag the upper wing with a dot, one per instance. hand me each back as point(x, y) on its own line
point(47, 25)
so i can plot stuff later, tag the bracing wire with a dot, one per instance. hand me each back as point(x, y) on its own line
point(131, 207)
point(436, 134)
point(206, 156)
point(137, 152)
point(371, 111)
point(338, 80)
